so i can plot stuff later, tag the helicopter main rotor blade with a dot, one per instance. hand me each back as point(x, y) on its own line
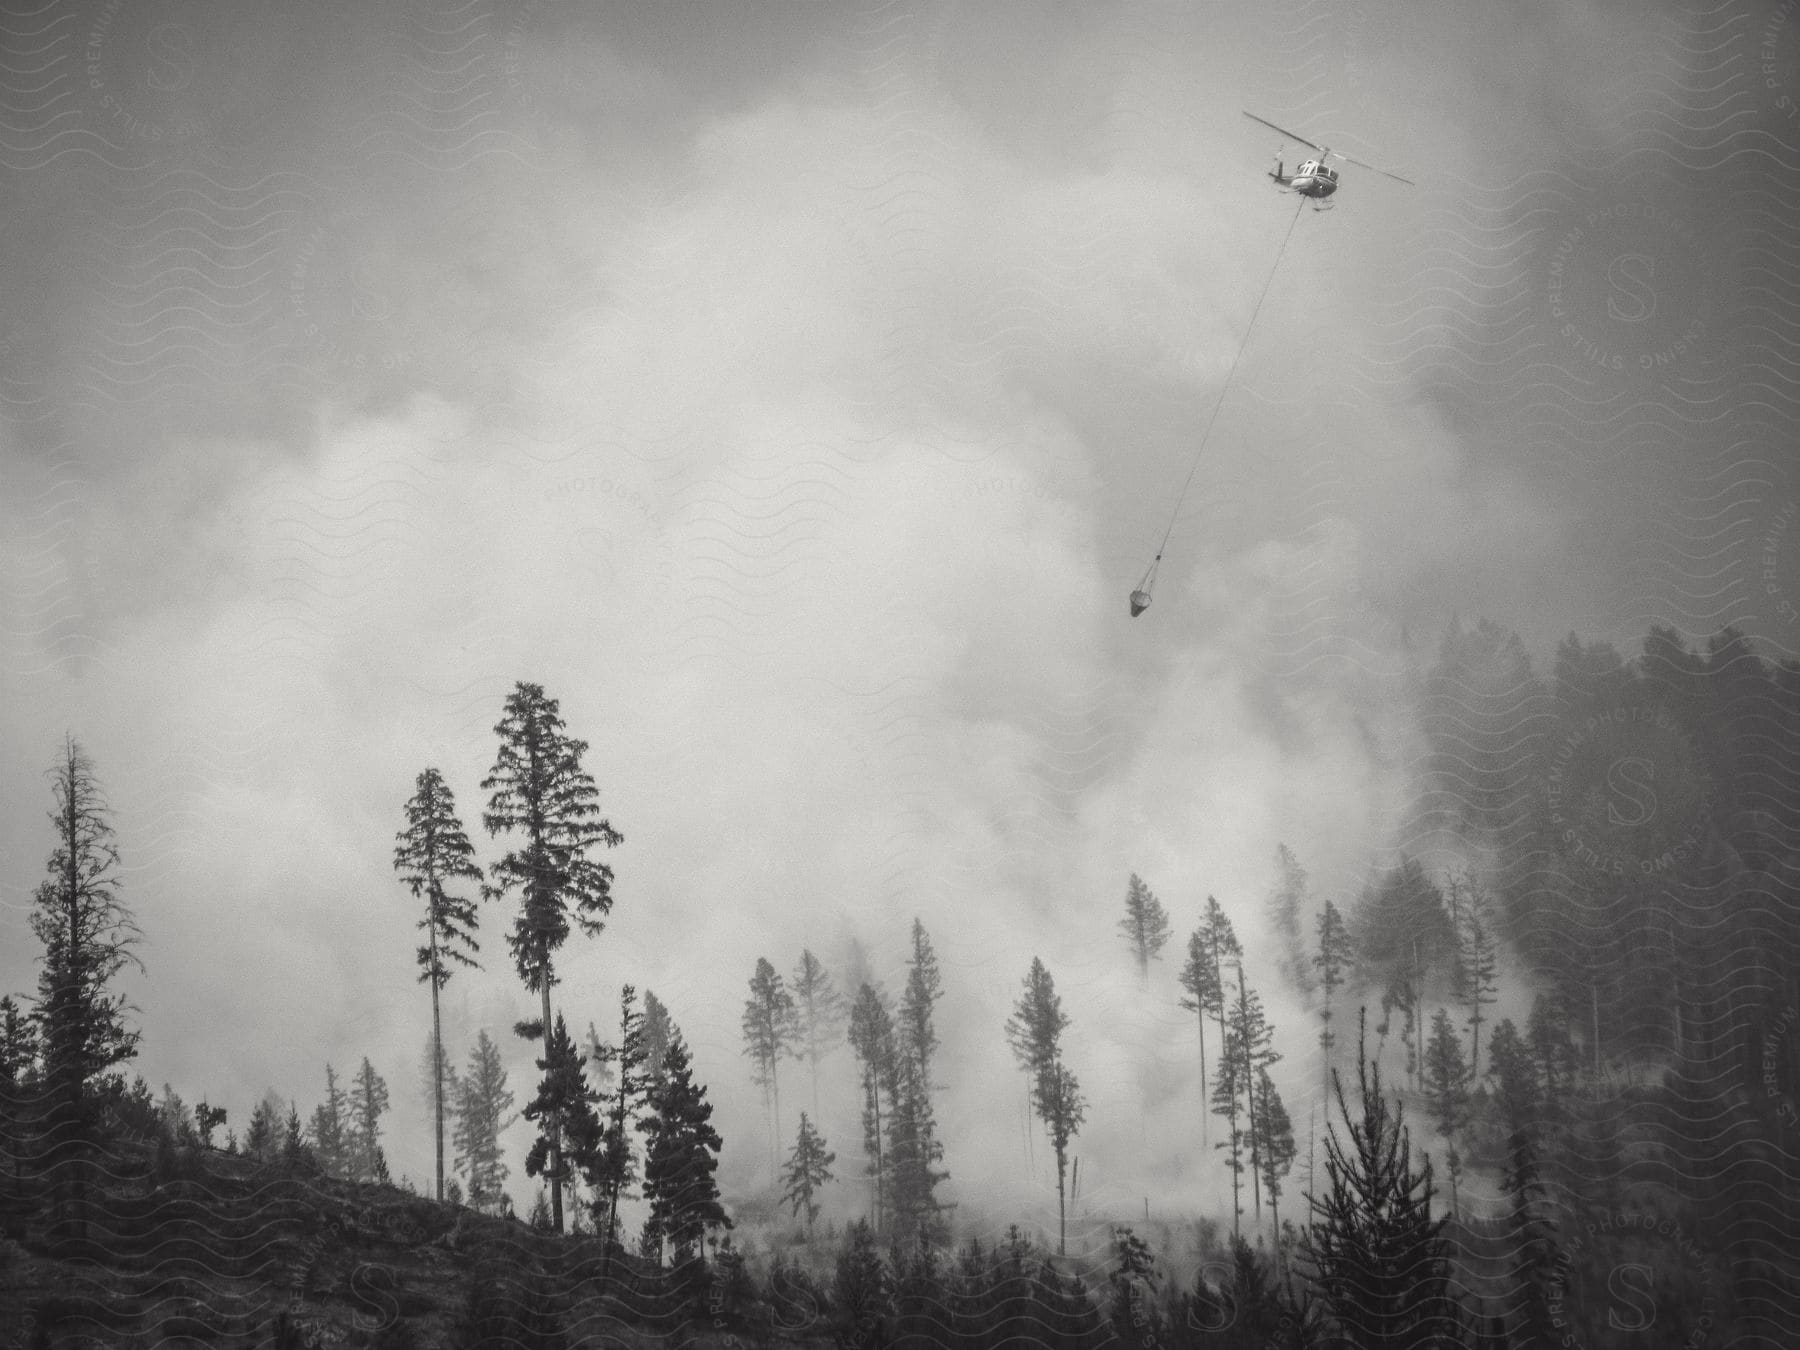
point(1371, 168)
point(1283, 130)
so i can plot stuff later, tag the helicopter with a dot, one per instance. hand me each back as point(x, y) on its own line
point(1314, 177)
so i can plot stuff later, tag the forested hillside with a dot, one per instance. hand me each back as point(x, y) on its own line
point(1544, 1092)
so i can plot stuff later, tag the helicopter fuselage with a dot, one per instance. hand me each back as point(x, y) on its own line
point(1310, 179)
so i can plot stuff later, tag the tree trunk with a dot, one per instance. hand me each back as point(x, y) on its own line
point(437, 1066)
point(1062, 1222)
point(1200, 1025)
point(1250, 1099)
point(775, 1093)
point(556, 1222)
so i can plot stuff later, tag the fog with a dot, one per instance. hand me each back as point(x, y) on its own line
point(796, 393)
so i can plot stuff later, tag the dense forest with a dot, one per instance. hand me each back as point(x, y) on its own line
point(1610, 847)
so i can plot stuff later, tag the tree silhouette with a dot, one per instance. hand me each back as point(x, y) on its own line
point(680, 1157)
point(771, 1026)
point(808, 1169)
point(659, 1027)
point(820, 1009)
point(1477, 959)
point(913, 1146)
point(1447, 1086)
point(871, 1036)
point(431, 854)
point(614, 1169)
point(1379, 1259)
point(331, 1129)
point(564, 1111)
point(1515, 1097)
point(1145, 925)
point(539, 789)
point(1200, 977)
point(89, 935)
point(483, 1102)
point(1034, 1031)
point(1275, 1147)
point(368, 1103)
point(1334, 962)
point(1286, 901)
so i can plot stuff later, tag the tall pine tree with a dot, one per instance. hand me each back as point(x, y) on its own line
point(871, 1036)
point(1034, 1031)
point(331, 1129)
point(483, 1106)
point(1145, 925)
point(912, 1134)
point(770, 1025)
point(1477, 957)
point(808, 1169)
point(1380, 1260)
point(564, 1112)
point(614, 1166)
point(89, 936)
point(1532, 1240)
point(820, 1009)
point(1275, 1147)
point(1286, 902)
point(368, 1103)
point(540, 791)
point(1334, 962)
point(680, 1157)
point(1200, 977)
point(1447, 1087)
point(432, 854)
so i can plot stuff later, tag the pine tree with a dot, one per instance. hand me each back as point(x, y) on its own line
point(1200, 977)
point(1552, 1048)
point(808, 1169)
point(1334, 962)
point(264, 1138)
point(821, 1012)
point(1275, 1147)
point(331, 1129)
point(1532, 1240)
point(482, 1107)
point(294, 1150)
point(177, 1121)
point(659, 1027)
point(912, 1135)
point(680, 1157)
point(1447, 1084)
point(1034, 1031)
point(615, 1166)
point(368, 1103)
point(431, 854)
point(1286, 902)
point(539, 788)
point(564, 1112)
point(1402, 995)
point(207, 1118)
point(1145, 925)
point(770, 1026)
point(1380, 1261)
point(862, 1289)
point(1250, 1043)
point(871, 1036)
point(1221, 945)
point(89, 936)
point(1477, 963)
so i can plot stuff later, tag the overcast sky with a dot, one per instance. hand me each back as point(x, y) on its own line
point(796, 392)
